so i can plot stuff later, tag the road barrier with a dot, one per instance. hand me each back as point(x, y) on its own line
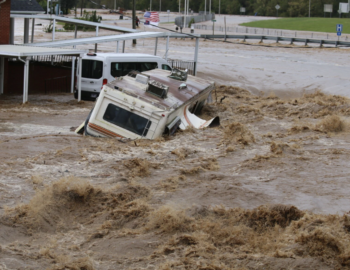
point(291, 40)
point(273, 32)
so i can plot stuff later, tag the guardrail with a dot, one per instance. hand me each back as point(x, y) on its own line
point(270, 32)
point(291, 40)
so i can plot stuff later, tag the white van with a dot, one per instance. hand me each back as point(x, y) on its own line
point(100, 68)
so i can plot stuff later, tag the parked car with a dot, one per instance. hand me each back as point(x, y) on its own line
point(100, 68)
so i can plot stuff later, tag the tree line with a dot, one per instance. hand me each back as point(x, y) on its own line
point(288, 8)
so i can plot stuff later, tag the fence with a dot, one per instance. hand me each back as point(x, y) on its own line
point(183, 21)
point(182, 65)
point(272, 32)
point(58, 85)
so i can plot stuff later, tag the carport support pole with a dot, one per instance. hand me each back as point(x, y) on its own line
point(196, 56)
point(96, 36)
point(32, 37)
point(26, 80)
point(155, 48)
point(26, 31)
point(123, 46)
point(167, 48)
point(117, 50)
point(79, 78)
point(12, 30)
point(75, 33)
point(72, 80)
point(1, 75)
point(53, 29)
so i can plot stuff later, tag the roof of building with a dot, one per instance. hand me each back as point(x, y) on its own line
point(26, 51)
point(26, 6)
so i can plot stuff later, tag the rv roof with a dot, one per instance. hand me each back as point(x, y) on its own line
point(175, 97)
point(125, 55)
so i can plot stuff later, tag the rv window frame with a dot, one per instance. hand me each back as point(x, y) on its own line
point(143, 132)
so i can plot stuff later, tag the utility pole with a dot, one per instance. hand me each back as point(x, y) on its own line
point(209, 6)
point(309, 8)
point(134, 18)
point(185, 6)
point(150, 6)
point(219, 6)
point(160, 5)
point(205, 7)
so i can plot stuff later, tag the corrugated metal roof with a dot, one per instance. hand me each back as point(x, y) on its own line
point(24, 51)
point(76, 21)
point(103, 39)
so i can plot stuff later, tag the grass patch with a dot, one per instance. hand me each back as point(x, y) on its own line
point(304, 24)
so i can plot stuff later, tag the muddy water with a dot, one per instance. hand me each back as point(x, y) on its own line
point(73, 202)
point(268, 189)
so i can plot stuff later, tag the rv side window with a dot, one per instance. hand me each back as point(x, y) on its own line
point(92, 69)
point(166, 67)
point(127, 120)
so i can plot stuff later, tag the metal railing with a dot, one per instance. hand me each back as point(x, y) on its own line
point(272, 32)
point(182, 65)
point(291, 40)
point(185, 20)
point(57, 85)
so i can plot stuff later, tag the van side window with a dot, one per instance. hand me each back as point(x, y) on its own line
point(92, 69)
point(147, 66)
point(166, 67)
point(127, 120)
point(122, 69)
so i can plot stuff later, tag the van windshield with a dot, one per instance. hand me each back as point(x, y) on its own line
point(92, 69)
point(127, 120)
point(122, 69)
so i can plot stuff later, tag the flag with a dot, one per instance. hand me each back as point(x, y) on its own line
point(151, 18)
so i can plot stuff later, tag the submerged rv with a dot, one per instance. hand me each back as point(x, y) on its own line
point(149, 104)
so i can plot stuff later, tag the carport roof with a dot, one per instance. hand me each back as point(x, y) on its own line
point(26, 51)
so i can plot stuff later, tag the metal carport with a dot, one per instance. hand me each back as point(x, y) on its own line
point(24, 54)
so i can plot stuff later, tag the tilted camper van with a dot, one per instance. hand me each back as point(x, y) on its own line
point(149, 104)
point(100, 68)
